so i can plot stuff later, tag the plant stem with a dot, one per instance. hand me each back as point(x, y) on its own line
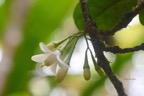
point(93, 32)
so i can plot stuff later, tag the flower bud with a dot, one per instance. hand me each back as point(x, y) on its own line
point(87, 73)
point(100, 71)
point(61, 74)
point(51, 45)
point(86, 68)
point(54, 44)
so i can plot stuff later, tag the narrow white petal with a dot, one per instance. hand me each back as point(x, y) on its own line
point(39, 71)
point(40, 58)
point(53, 68)
point(57, 52)
point(48, 71)
point(44, 48)
point(51, 59)
point(61, 63)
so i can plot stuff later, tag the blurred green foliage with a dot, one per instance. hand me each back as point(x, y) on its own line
point(43, 18)
point(4, 15)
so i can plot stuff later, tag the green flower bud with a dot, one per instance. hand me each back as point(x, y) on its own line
point(86, 68)
point(87, 73)
point(54, 44)
point(51, 45)
point(61, 74)
point(100, 71)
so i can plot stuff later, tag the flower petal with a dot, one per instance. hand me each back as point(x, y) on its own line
point(53, 68)
point(61, 63)
point(56, 52)
point(39, 71)
point(51, 59)
point(48, 71)
point(40, 58)
point(44, 48)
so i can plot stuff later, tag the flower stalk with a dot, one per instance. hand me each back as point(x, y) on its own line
point(52, 54)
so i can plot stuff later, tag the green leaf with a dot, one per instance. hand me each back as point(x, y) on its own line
point(141, 16)
point(106, 13)
point(78, 18)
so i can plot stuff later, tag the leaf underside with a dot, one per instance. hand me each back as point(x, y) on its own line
point(106, 13)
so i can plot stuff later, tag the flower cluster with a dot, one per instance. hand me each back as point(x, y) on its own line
point(55, 59)
point(51, 59)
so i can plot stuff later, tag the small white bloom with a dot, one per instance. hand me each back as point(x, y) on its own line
point(50, 58)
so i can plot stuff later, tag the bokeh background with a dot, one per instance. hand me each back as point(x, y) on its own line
point(25, 23)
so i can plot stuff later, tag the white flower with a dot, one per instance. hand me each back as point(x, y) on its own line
point(50, 58)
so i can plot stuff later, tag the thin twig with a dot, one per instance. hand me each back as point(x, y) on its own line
point(118, 50)
point(125, 20)
point(102, 61)
point(92, 30)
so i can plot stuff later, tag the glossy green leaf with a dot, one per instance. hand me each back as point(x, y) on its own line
point(141, 17)
point(106, 13)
